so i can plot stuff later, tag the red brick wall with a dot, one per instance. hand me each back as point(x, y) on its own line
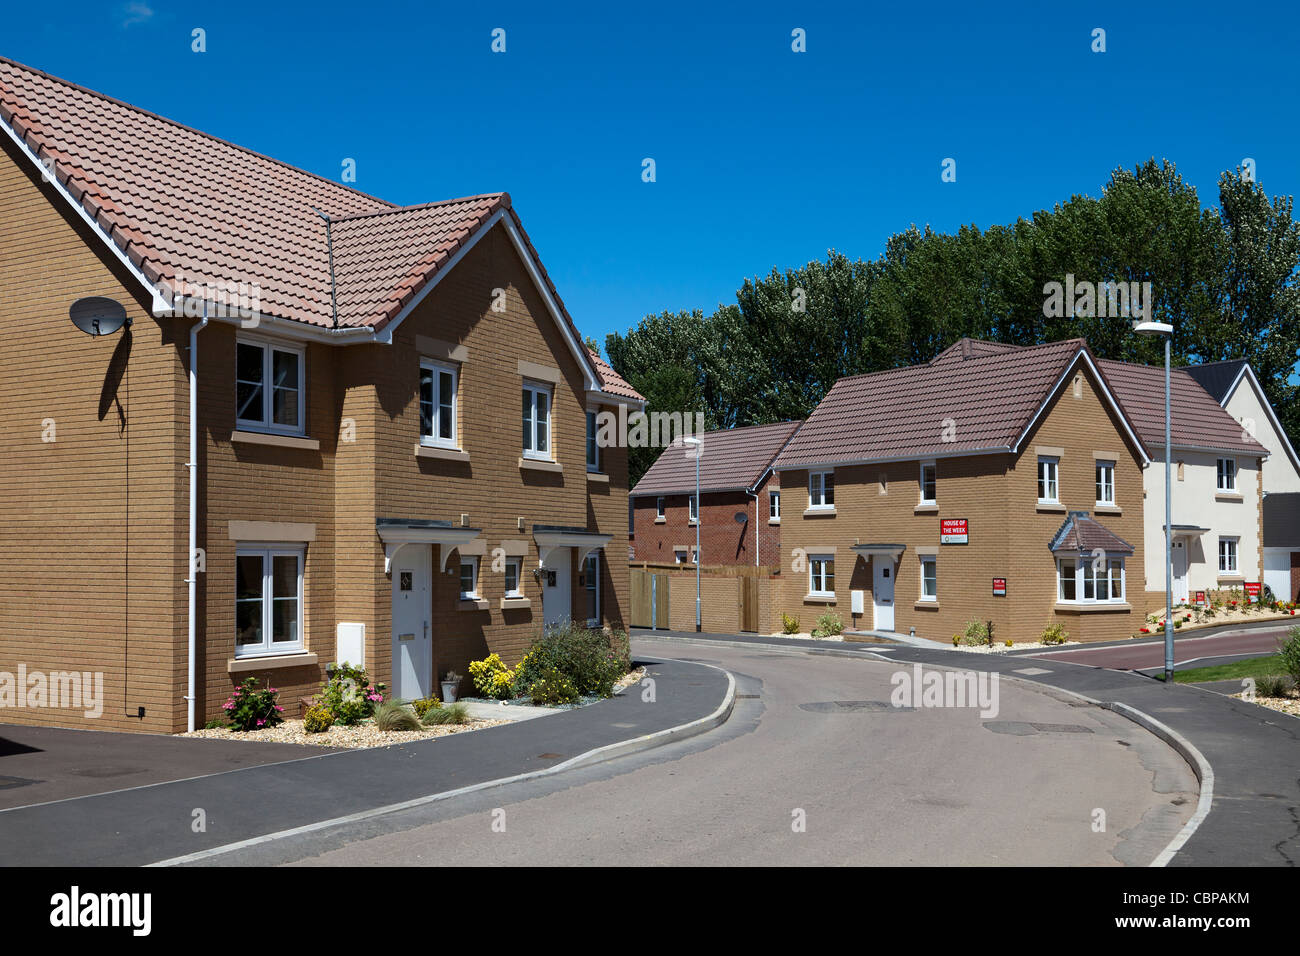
point(723, 540)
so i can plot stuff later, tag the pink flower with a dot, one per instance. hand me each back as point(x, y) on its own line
point(278, 707)
point(261, 722)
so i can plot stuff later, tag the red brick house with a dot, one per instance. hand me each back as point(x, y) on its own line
point(736, 479)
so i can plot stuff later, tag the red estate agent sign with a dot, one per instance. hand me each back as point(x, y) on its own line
point(1252, 589)
point(953, 531)
point(999, 587)
point(1200, 599)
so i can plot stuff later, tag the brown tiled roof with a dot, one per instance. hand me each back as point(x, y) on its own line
point(1196, 419)
point(989, 399)
point(733, 458)
point(611, 381)
point(1083, 534)
point(183, 205)
point(968, 348)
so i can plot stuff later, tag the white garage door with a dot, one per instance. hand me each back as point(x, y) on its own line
point(1277, 573)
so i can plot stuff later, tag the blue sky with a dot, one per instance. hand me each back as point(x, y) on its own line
point(764, 157)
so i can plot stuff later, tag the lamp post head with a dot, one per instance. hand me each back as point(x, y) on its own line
point(1153, 328)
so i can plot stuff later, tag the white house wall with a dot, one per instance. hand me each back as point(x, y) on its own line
point(1246, 406)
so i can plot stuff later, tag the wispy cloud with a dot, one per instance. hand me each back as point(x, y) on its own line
point(136, 12)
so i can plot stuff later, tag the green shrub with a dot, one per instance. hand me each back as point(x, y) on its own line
point(592, 660)
point(789, 625)
point(492, 679)
point(1289, 651)
point(317, 720)
point(975, 633)
point(553, 688)
point(828, 625)
point(1273, 685)
point(456, 713)
point(349, 695)
point(424, 705)
point(216, 724)
point(251, 709)
point(395, 716)
point(1055, 633)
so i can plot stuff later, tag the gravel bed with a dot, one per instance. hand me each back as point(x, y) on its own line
point(1287, 705)
point(806, 636)
point(355, 737)
point(1001, 648)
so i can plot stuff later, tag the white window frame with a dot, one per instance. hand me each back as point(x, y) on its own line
point(933, 468)
point(266, 423)
point(933, 561)
point(438, 369)
point(268, 552)
point(1226, 474)
point(681, 556)
point(471, 561)
point(1105, 481)
point(1232, 551)
point(818, 576)
point(1049, 488)
point(530, 450)
point(659, 506)
point(818, 498)
point(1080, 572)
point(593, 447)
point(692, 510)
point(518, 590)
point(591, 583)
point(774, 505)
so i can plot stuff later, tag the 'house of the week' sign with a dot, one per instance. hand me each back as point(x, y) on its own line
point(953, 531)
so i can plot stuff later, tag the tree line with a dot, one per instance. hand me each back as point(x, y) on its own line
point(1225, 277)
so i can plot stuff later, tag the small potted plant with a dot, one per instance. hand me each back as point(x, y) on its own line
point(450, 684)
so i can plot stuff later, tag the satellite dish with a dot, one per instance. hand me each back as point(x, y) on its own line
point(96, 315)
point(741, 517)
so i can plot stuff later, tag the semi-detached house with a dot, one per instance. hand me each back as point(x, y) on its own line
point(989, 484)
point(392, 459)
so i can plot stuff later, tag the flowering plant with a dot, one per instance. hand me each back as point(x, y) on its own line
point(350, 695)
point(251, 709)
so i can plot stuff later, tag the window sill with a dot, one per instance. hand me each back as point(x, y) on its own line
point(661, 520)
point(254, 662)
point(1229, 496)
point(1095, 608)
point(926, 508)
point(1050, 506)
point(819, 512)
point(926, 605)
point(773, 520)
point(692, 522)
point(270, 438)
point(474, 604)
point(539, 464)
point(819, 599)
point(1230, 578)
point(441, 452)
point(1102, 509)
point(514, 604)
point(598, 476)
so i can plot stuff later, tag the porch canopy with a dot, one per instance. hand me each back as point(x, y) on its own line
point(396, 533)
point(1187, 530)
point(549, 537)
point(894, 551)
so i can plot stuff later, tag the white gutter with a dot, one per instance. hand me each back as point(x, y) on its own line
point(193, 466)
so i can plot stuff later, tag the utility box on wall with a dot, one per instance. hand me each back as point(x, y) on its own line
point(351, 644)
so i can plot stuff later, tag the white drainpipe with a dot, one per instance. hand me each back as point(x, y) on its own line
point(193, 466)
point(754, 495)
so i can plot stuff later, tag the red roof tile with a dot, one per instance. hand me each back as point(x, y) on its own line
point(611, 381)
point(733, 458)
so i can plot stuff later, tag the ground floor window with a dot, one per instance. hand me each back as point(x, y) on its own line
point(821, 575)
point(268, 600)
point(469, 578)
point(591, 582)
point(929, 578)
point(512, 578)
point(1090, 580)
point(1227, 555)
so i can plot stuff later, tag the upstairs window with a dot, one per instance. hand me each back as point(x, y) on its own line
point(1047, 485)
point(593, 449)
point(269, 387)
point(438, 404)
point(693, 508)
point(537, 422)
point(1227, 474)
point(659, 507)
point(1105, 482)
point(821, 489)
point(774, 505)
point(928, 482)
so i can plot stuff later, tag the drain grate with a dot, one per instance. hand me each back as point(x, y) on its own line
point(853, 707)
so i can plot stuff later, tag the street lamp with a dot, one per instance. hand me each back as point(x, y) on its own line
point(698, 445)
point(1167, 330)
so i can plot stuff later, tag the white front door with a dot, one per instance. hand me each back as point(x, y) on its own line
point(557, 590)
point(882, 592)
point(1180, 594)
point(412, 638)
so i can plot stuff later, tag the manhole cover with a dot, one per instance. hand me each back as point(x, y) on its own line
point(1031, 671)
point(852, 707)
point(1021, 728)
point(12, 783)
